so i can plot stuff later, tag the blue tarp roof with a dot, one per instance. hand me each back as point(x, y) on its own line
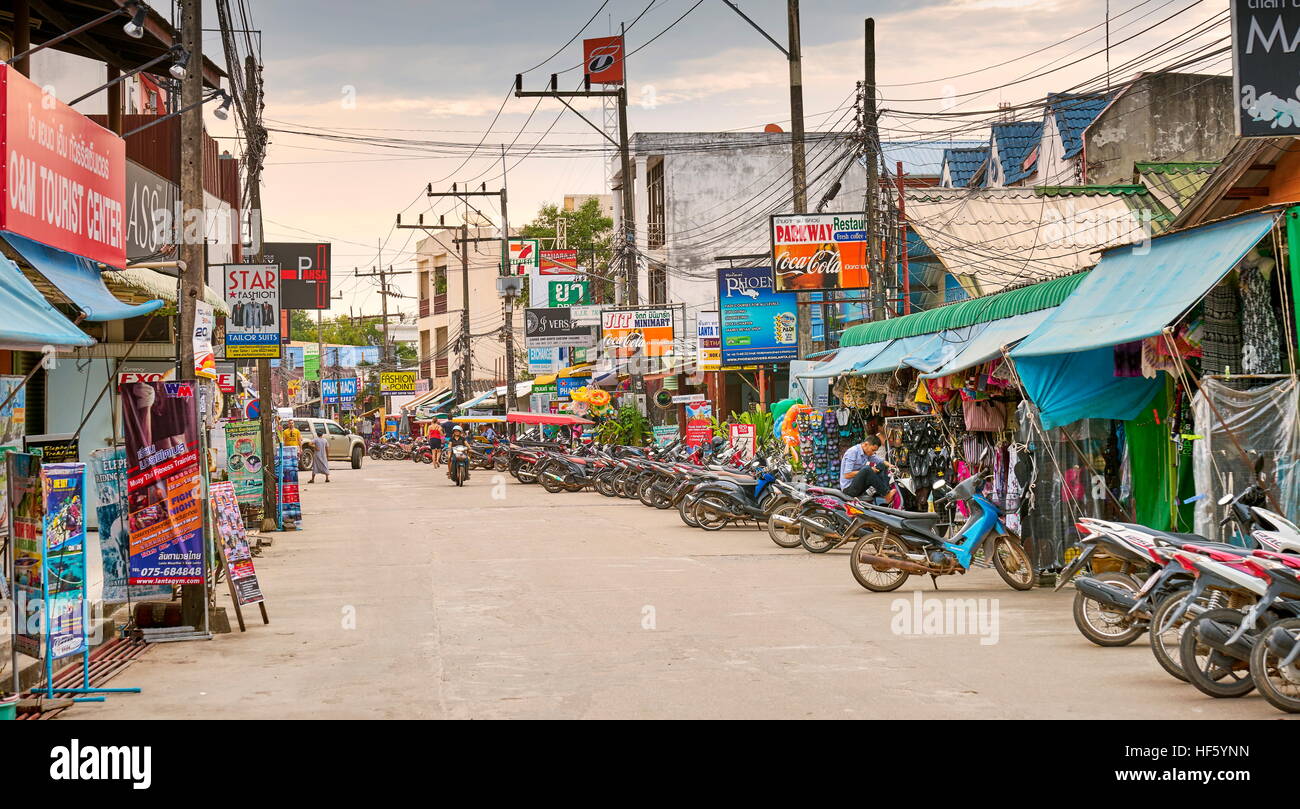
point(987, 344)
point(29, 321)
point(78, 279)
point(846, 360)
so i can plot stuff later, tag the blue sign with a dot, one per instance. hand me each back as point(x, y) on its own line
point(329, 391)
point(758, 323)
point(564, 386)
point(348, 392)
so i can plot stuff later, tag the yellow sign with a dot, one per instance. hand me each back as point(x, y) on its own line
point(397, 382)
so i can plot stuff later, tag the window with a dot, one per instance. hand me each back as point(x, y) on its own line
point(655, 196)
point(440, 280)
point(335, 429)
point(658, 281)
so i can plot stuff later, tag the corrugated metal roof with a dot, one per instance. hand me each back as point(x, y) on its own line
point(1175, 184)
point(963, 163)
point(1016, 142)
point(1043, 295)
point(1073, 113)
point(992, 238)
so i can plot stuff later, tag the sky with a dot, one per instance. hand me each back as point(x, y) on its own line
point(441, 70)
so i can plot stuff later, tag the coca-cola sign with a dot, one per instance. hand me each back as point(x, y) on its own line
point(647, 332)
point(820, 251)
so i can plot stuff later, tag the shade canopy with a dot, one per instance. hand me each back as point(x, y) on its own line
point(896, 354)
point(517, 417)
point(29, 322)
point(943, 347)
point(78, 279)
point(987, 343)
point(845, 360)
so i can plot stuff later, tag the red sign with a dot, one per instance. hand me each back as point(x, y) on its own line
point(226, 382)
point(603, 59)
point(558, 262)
point(64, 178)
point(698, 431)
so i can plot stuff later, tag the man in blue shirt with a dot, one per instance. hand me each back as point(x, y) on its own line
point(863, 467)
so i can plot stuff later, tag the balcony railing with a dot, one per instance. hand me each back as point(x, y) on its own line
point(440, 367)
point(424, 307)
point(440, 304)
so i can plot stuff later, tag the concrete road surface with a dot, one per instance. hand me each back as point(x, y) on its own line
point(405, 597)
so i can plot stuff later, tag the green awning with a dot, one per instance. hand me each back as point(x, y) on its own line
point(1032, 298)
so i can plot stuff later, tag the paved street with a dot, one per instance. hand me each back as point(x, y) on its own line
point(408, 598)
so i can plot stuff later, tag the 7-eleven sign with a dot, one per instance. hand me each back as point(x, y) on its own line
point(524, 256)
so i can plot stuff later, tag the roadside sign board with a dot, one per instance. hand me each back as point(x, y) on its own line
point(252, 292)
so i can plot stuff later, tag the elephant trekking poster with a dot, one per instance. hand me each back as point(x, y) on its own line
point(164, 512)
point(109, 468)
point(63, 487)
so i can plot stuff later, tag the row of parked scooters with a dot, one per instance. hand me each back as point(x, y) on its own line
point(1221, 616)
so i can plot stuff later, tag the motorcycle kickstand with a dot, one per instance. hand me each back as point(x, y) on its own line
point(934, 579)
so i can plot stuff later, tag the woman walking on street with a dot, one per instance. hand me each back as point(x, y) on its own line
point(435, 443)
point(320, 459)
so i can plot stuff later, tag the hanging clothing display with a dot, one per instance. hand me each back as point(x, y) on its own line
point(1221, 344)
point(1261, 342)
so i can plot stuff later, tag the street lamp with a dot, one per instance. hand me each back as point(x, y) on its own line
point(221, 113)
point(134, 27)
point(181, 59)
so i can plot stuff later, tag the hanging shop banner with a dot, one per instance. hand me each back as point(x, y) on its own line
point(64, 177)
point(820, 251)
point(397, 382)
point(602, 59)
point(558, 262)
point(63, 448)
point(109, 468)
point(554, 328)
point(304, 273)
point(708, 341)
point(25, 510)
point(645, 332)
point(524, 256)
point(63, 522)
point(566, 385)
point(757, 322)
point(1265, 34)
point(163, 483)
point(253, 293)
point(205, 321)
point(234, 544)
point(567, 293)
point(744, 436)
point(244, 462)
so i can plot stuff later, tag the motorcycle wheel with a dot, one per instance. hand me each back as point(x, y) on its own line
point(1101, 624)
point(816, 542)
point(1165, 645)
point(1281, 687)
point(644, 493)
point(1012, 563)
point(550, 484)
point(710, 513)
point(686, 509)
point(527, 473)
point(878, 543)
point(1209, 671)
point(777, 532)
point(604, 485)
point(501, 463)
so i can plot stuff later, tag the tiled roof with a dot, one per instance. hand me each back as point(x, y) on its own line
point(922, 158)
point(1016, 142)
point(1073, 113)
point(963, 163)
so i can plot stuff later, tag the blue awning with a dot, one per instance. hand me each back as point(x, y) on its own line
point(78, 279)
point(466, 405)
point(897, 353)
point(845, 360)
point(945, 346)
point(1137, 290)
point(987, 344)
point(30, 323)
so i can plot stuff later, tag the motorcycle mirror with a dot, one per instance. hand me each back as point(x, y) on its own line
point(940, 484)
point(1259, 464)
point(1226, 499)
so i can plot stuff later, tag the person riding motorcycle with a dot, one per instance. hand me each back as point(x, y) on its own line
point(457, 438)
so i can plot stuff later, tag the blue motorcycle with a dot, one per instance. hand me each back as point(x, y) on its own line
point(898, 544)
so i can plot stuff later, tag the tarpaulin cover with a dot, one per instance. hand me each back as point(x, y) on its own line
point(1135, 291)
point(1151, 463)
point(892, 358)
point(29, 321)
point(1263, 422)
point(987, 344)
point(844, 362)
point(944, 348)
point(1082, 385)
point(78, 279)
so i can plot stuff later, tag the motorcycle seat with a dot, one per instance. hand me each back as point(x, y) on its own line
point(910, 515)
point(828, 490)
point(1183, 540)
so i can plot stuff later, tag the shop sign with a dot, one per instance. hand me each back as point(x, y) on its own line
point(645, 332)
point(819, 251)
point(566, 293)
point(586, 315)
point(1265, 34)
point(602, 59)
point(348, 392)
point(689, 398)
point(758, 324)
point(524, 256)
point(708, 341)
point(665, 434)
point(744, 436)
point(565, 386)
point(226, 377)
point(54, 448)
point(699, 410)
point(397, 382)
point(698, 431)
point(304, 273)
point(63, 182)
point(555, 328)
point(543, 359)
point(252, 292)
point(558, 262)
point(151, 202)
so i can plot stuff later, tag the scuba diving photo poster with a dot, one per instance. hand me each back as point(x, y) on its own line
point(64, 526)
point(164, 511)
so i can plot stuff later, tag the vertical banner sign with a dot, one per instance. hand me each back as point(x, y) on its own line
point(163, 484)
point(524, 256)
point(64, 177)
point(253, 293)
point(304, 273)
point(820, 251)
point(234, 544)
point(758, 323)
point(602, 59)
point(63, 486)
point(205, 321)
point(244, 462)
point(708, 342)
point(25, 507)
point(109, 468)
point(1265, 34)
point(311, 363)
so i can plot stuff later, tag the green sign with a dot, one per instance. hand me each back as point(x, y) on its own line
point(311, 363)
point(567, 293)
point(543, 390)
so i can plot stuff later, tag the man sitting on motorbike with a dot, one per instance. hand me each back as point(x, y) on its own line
point(457, 439)
point(863, 468)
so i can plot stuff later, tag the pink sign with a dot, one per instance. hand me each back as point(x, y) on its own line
point(64, 176)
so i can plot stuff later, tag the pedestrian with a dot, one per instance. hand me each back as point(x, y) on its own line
point(290, 436)
point(320, 457)
point(436, 438)
point(862, 467)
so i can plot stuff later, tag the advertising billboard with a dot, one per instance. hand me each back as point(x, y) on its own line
point(1264, 38)
point(253, 293)
point(554, 327)
point(757, 322)
point(602, 59)
point(558, 262)
point(646, 331)
point(304, 273)
point(708, 341)
point(820, 251)
point(397, 382)
point(525, 256)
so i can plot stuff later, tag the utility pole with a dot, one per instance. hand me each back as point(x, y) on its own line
point(508, 299)
point(192, 251)
point(871, 148)
point(382, 275)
